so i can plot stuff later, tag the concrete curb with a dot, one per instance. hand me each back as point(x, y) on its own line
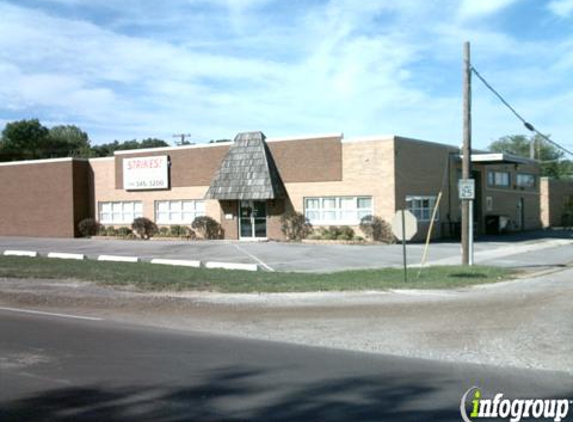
point(177, 262)
point(117, 258)
point(63, 255)
point(231, 266)
point(31, 254)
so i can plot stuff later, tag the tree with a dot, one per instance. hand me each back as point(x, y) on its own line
point(24, 140)
point(69, 141)
point(551, 158)
point(107, 150)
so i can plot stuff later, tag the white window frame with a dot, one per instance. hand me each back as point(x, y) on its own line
point(178, 211)
point(519, 180)
point(119, 212)
point(415, 204)
point(340, 213)
point(494, 178)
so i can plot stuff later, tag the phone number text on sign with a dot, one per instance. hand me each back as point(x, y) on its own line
point(145, 173)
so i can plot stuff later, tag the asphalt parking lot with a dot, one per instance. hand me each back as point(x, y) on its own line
point(529, 251)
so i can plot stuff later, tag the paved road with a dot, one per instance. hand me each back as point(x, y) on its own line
point(557, 250)
point(56, 369)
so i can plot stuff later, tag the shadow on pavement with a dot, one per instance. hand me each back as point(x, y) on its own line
point(527, 236)
point(233, 395)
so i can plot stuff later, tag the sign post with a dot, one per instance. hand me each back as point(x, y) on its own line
point(404, 227)
point(466, 189)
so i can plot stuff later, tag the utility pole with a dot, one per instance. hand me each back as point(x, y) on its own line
point(466, 154)
point(182, 136)
point(532, 148)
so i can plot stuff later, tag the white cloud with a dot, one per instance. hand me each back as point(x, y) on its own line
point(355, 67)
point(562, 8)
point(480, 8)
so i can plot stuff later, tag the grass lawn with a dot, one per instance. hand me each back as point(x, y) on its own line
point(146, 276)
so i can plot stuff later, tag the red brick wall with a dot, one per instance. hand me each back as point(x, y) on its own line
point(38, 199)
point(308, 160)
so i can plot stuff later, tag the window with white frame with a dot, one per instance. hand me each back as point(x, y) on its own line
point(119, 212)
point(181, 211)
point(337, 209)
point(498, 178)
point(525, 180)
point(422, 207)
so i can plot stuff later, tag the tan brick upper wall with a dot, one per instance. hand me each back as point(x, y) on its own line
point(367, 169)
point(555, 194)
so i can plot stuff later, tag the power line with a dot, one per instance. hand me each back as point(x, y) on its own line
point(527, 125)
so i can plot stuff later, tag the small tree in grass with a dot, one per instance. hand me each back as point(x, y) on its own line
point(144, 227)
point(295, 226)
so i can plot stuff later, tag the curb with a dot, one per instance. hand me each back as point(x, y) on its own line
point(231, 266)
point(62, 255)
point(117, 258)
point(31, 254)
point(176, 262)
point(157, 261)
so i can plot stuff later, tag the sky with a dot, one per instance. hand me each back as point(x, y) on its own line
point(134, 69)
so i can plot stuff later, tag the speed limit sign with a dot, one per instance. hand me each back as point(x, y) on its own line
point(466, 188)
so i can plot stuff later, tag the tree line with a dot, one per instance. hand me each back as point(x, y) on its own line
point(30, 140)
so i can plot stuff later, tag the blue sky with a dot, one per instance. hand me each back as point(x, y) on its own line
point(137, 69)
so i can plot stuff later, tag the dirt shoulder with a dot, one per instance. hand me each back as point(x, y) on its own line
point(524, 323)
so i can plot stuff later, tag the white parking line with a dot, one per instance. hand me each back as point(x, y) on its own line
point(254, 257)
point(30, 311)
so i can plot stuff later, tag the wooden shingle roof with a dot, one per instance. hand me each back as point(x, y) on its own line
point(248, 171)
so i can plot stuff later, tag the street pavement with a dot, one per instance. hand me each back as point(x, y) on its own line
point(530, 251)
point(56, 368)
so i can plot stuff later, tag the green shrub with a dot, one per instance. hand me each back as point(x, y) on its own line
point(124, 232)
point(375, 228)
point(345, 233)
point(101, 230)
point(111, 231)
point(88, 227)
point(334, 233)
point(177, 230)
point(207, 227)
point(144, 227)
point(163, 232)
point(295, 226)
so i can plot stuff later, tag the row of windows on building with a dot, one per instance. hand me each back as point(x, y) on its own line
point(503, 179)
point(166, 212)
point(349, 210)
point(340, 210)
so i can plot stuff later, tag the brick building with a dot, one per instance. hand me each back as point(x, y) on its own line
point(248, 184)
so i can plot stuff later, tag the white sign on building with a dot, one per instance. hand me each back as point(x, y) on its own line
point(144, 173)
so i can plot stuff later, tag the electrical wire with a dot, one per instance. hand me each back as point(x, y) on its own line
point(527, 125)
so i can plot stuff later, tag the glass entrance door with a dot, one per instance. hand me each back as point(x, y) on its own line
point(253, 221)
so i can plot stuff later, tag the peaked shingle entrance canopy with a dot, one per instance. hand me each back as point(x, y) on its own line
point(248, 171)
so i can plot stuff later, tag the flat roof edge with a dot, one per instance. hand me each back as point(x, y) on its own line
point(305, 137)
point(42, 161)
point(500, 157)
point(372, 138)
point(176, 148)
